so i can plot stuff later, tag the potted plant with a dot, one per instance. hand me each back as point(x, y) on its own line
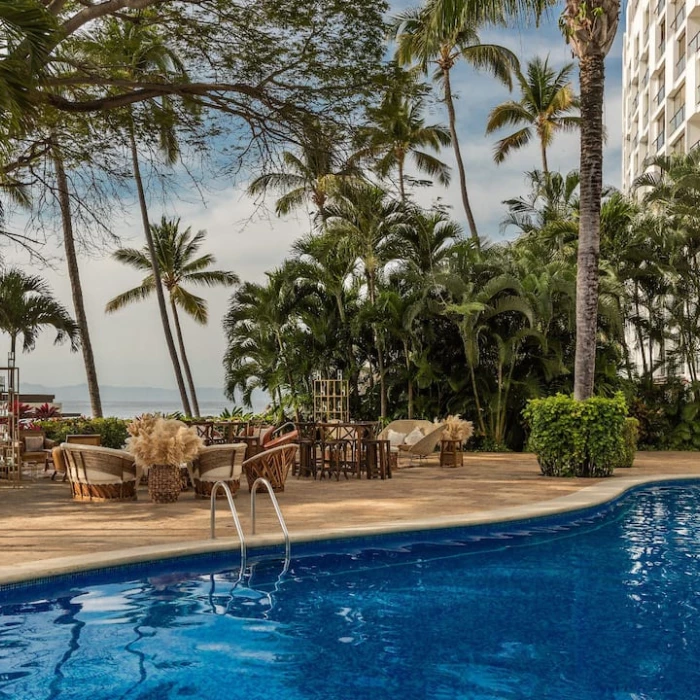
point(456, 432)
point(161, 446)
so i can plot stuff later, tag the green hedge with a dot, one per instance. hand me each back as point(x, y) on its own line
point(577, 438)
point(630, 436)
point(112, 430)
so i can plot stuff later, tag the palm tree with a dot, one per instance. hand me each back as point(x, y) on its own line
point(426, 241)
point(26, 29)
point(590, 30)
point(179, 263)
point(27, 306)
point(309, 177)
point(136, 48)
point(370, 223)
point(258, 326)
point(63, 195)
point(397, 130)
point(544, 109)
point(420, 41)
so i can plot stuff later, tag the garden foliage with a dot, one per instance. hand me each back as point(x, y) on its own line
point(577, 438)
point(113, 430)
point(630, 436)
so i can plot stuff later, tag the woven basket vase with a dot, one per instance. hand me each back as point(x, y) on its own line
point(164, 483)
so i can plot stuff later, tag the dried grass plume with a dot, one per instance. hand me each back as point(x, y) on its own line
point(157, 440)
point(457, 429)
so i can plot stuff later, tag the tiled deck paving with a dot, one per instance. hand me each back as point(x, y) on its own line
point(39, 521)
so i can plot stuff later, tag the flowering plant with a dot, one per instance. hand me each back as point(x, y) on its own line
point(158, 440)
point(457, 429)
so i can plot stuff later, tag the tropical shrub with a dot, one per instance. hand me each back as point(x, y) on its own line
point(630, 435)
point(668, 415)
point(577, 438)
point(113, 430)
point(46, 410)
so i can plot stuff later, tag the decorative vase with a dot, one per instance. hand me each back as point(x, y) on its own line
point(164, 483)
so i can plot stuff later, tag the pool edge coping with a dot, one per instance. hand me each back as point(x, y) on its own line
point(586, 497)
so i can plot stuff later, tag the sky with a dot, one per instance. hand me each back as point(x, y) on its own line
point(129, 345)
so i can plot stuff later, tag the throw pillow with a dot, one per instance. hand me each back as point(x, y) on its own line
point(33, 443)
point(414, 436)
point(395, 438)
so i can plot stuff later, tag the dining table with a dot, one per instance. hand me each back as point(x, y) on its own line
point(343, 447)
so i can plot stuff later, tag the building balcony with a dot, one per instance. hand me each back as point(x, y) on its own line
point(660, 6)
point(678, 19)
point(677, 119)
point(679, 67)
point(660, 96)
point(658, 143)
point(694, 43)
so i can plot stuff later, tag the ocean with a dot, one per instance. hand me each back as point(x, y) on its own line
point(129, 409)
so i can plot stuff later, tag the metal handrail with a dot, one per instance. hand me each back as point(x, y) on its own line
point(273, 498)
point(234, 513)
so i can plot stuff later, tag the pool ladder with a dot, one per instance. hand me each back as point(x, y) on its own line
point(237, 522)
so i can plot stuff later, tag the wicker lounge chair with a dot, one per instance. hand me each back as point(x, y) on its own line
point(432, 433)
point(217, 463)
point(99, 473)
point(273, 464)
point(59, 464)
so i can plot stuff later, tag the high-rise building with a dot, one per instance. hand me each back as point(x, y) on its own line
point(661, 82)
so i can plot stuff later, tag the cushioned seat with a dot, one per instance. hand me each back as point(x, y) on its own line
point(33, 445)
point(99, 473)
point(217, 463)
point(420, 445)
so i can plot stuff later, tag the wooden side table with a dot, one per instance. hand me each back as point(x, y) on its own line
point(451, 454)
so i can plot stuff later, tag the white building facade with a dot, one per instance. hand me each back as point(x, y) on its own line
point(661, 82)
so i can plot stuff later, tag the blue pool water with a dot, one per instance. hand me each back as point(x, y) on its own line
point(603, 604)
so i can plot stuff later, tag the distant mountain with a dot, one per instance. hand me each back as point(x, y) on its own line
point(79, 393)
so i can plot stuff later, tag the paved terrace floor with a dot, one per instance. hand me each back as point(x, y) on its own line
point(39, 521)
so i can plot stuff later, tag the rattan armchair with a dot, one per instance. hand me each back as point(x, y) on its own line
point(59, 464)
point(217, 463)
point(273, 464)
point(99, 473)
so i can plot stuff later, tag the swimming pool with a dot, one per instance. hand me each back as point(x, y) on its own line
point(601, 604)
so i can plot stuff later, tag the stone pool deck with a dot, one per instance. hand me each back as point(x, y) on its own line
point(44, 532)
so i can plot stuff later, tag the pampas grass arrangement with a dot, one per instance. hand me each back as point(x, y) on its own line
point(158, 440)
point(457, 429)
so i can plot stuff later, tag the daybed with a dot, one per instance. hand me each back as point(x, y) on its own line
point(416, 438)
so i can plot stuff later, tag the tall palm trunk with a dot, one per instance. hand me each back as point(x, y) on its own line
point(410, 380)
point(380, 352)
point(449, 101)
point(592, 77)
point(183, 357)
point(402, 186)
point(591, 27)
point(543, 150)
point(75, 284)
point(156, 274)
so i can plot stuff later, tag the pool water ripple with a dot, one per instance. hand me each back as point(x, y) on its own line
point(602, 606)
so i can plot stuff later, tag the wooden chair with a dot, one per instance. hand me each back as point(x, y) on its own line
point(34, 446)
point(99, 473)
point(273, 464)
point(217, 463)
